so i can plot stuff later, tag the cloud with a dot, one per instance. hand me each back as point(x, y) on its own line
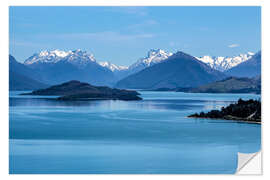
point(233, 45)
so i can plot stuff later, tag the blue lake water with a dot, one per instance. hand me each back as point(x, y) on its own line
point(127, 137)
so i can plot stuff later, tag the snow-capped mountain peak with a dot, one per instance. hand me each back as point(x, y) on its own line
point(112, 67)
point(250, 53)
point(153, 56)
point(76, 57)
point(58, 53)
point(224, 63)
point(81, 59)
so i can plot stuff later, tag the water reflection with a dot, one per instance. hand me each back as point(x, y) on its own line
point(178, 104)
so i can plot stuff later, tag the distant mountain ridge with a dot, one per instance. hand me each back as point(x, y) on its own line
point(154, 56)
point(59, 66)
point(56, 66)
point(179, 70)
point(224, 63)
point(81, 58)
point(22, 77)
point(249, 68)
point(231, 85)
point(78, 57)
point(113, 67)
point(220, 63)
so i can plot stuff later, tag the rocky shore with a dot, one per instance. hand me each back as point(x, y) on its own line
point(248, 111)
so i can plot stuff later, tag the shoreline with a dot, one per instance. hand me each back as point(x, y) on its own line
point(240, 121)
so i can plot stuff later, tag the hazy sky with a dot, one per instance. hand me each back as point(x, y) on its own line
point(121, 35)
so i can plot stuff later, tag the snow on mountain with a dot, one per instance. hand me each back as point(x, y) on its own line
point(81, 58)
point(154, 56)
point(113, 67)
point(224, 63)
point(219, 63)
point(77, 57)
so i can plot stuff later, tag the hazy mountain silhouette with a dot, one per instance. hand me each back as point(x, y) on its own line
point(22, 77)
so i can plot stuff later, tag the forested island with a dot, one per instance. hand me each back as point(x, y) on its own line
point(249, 111)
point(76, 90)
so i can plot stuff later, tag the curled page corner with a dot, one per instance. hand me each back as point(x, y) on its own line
point(249, 163)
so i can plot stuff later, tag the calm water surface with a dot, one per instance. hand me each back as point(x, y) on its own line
point(127, 137)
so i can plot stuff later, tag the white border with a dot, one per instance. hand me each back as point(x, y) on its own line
point(137, 2)
point(4, 79)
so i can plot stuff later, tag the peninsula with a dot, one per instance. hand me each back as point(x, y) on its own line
point(249, 111)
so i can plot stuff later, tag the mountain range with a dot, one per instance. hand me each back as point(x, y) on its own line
point(222, 63)
point(53, 67)
point(60, 66)
point(179, 70)
point(250, 68)
point(155, 56)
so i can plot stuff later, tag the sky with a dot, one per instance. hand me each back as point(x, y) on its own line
point(122, 35)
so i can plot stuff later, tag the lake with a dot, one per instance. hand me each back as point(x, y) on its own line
point(152, 136)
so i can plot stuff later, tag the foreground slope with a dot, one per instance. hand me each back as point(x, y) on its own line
point(179, 70)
